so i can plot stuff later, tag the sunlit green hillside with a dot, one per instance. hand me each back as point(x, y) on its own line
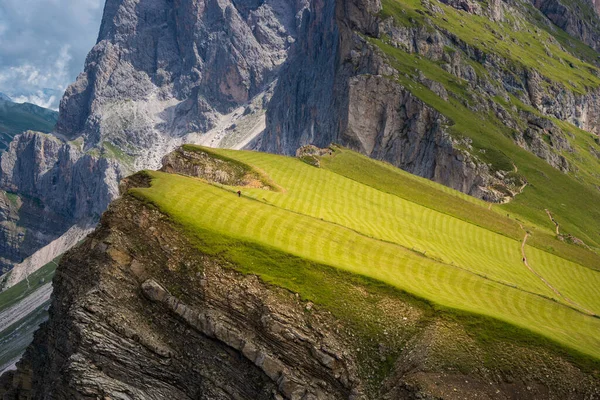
point(369, 219)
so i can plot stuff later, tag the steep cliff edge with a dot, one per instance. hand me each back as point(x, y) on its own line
point(140, 312)
point(53, 186)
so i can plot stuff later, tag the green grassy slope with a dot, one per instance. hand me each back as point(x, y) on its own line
point(449, 253)
point(16, 118)
point(568, 196)
point(522, 42)
point(492, 217)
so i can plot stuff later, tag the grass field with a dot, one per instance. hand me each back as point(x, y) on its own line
point(547, 186)
point(453, 252)
point(522, 41)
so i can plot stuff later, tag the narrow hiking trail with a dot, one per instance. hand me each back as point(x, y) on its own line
point(553, 221)
point(574, 304)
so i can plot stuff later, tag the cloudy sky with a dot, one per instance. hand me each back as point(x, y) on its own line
point(43, 44)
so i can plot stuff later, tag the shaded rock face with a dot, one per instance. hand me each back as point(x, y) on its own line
point(43, 167)
point(57, 186)
point(354, 103)
point(310, 103)
point(344, 90)
point(582, 111)
point(388, 123)
point(579, 20)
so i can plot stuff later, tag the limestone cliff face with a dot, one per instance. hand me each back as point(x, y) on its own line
point(340, 90)
point(579, 19)
point(164, 69)
point(310, 103)
point(388, 123)
point(54, 186)
point(344, 89)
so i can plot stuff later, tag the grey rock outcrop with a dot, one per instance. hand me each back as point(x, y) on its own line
point(55, 185)
point(388, 123)
point(579, 20)
point(357, 104)
point(229, 337)
point(357, 100)
point(161, 70)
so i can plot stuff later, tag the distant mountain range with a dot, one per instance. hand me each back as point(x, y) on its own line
point(16, 118)
point(45, 97)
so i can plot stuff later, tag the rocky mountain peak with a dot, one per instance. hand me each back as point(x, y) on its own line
point(164, 69)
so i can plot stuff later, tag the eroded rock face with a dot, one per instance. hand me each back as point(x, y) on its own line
point(310, 103)
point(116, 328)
point(358, 103)
point(54, 185)
point(163, 69)
point(580, 21)
point(357, 100)
point(387, 122)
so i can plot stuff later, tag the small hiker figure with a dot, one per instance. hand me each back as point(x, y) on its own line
point(523, 259)
point(239, 192)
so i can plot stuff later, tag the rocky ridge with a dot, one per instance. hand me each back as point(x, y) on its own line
point(58, 186)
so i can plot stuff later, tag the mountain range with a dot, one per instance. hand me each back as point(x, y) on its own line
point(16, 118)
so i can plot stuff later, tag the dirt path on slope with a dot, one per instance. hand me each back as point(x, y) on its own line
point(553, 221)
point(575, 305)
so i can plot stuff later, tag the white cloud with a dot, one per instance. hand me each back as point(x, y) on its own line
point(39, 99)
point(43, 45)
